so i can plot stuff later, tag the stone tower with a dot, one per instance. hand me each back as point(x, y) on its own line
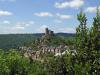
point(51, 33)
point(46, 31)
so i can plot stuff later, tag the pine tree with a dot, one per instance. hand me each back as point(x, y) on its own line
point(81, 31)
point(96, 31)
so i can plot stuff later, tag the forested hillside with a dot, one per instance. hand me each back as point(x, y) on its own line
point(8, 41)
point(15, 40)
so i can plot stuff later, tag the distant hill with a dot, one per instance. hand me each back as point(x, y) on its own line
point(8, 41)
point(66, 34)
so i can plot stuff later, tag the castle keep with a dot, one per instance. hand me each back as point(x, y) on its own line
point(48, 32)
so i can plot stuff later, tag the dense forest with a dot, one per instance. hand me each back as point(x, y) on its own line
point(85, 62)
point(13, 41)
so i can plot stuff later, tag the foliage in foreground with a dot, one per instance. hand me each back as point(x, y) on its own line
point(13, 63)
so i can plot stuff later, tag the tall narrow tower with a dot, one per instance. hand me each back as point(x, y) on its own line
point(46, 31)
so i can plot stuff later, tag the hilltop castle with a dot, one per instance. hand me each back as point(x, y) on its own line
point(48, 32)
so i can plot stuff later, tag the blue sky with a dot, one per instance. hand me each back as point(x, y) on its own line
point(32, 16)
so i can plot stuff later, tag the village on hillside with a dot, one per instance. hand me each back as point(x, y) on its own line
point(43, 48)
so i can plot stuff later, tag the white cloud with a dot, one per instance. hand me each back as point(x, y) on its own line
point(91, 9)
point(47, 14)
point(72, 4)
point(5, 13)
point(22, 25)
point(7, 0)
point(41, 29)
point(6, 22)
point(66, 30)
point(12, 0)
point(62, 16)
point(58, 21)
point(44, 14)
point(18, 27)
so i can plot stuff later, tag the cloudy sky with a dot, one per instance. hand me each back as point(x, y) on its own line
point(32, 16)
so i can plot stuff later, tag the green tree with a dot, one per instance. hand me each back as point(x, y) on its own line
point(96, 31)
point(81, 32)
